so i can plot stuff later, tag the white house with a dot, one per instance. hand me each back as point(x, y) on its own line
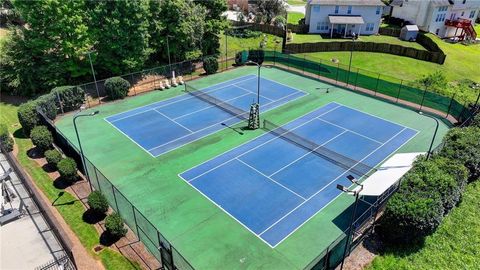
point(344, 17)
point(444, 18)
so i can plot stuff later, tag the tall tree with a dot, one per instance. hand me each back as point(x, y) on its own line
point(214, 23)
point(120, 30)
point(270, 9)
point(47, 51)
point(184, 22)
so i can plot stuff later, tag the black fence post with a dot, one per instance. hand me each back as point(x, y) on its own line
point(303, 65)
point(336, 76)
point(115, 199)
point(356, 78)
point(288, 62)
point(450, 105)
point(376, 86)
point(423, 98)
point(135, 220)
point(399, 89)
point(131, 79)
point(319, 68)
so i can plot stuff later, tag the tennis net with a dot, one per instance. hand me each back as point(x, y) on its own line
point(202, 95)
point(349, 164)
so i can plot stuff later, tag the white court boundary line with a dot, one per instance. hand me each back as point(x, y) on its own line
point(351, 131)
point(183, 96)
point(298, 227)
point(228, 119)
point(269, 178)
point(248, 90)
point(173, 121)
point(388, 156)
point(323, 188)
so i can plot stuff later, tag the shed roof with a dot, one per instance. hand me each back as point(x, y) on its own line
point(412, 27)
point(336, 19)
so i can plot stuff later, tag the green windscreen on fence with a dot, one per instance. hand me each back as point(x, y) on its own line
point(396, 89)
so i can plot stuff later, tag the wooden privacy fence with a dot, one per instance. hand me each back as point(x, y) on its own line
point(394, 32)
point(298, 28)
point(430, 56)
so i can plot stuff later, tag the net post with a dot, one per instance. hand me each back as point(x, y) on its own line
point(399, 89)
point(376, 86)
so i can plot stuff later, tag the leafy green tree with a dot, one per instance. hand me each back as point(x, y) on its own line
point(53, 157)
point(49, 50)
point(115, 225)
point(184, 22)
point(68, 169)
point(97, 202)
point(120, 30)
point(214, 23)
point(270, 9)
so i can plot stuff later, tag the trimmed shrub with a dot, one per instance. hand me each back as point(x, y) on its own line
point(97, 202)
point(463, 145)
point(27, 116)
point(53, 157)
point(116, 87)
point(68, 169)
point(48, 105)
point(115, 225)
point(410, 215)
point(476, 121)
point(8, 144)
point(257, 56)
point(3, 132)
point(72, 97)
point(210, 65)
point(41, 138)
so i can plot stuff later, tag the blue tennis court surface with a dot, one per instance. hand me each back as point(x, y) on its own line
point(272, 186)
point(163, 126)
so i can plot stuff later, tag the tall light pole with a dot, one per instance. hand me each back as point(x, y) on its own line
point(355, 192)
point(80, 145)
point(93, 73)
point(354, 37)
point(168, 52)
point(434, 134)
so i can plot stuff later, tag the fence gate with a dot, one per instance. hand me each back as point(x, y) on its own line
point(166, 256)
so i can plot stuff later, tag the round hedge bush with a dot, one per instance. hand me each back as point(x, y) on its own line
point(115, 225)
point(3, 132)
point(8, 144)
point(97, 202)
point(27, 116)
point(68, 169)
point(210, 65)
point(53, 157)
point(116, 87)
point(41, 138)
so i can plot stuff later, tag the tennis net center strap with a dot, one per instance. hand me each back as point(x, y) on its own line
point(338, 159)
point(202, 95)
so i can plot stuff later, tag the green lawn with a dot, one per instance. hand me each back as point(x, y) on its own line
point(297, 2)
point(455, 245)
point(461, 63)
point(294, 17)
point(71, 209)
point(237, 44)
point(304, 38)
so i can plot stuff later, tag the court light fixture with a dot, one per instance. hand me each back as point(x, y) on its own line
point(343, 188)
point(352, 179)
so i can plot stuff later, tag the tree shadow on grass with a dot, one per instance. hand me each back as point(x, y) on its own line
point(107, 239)
point(18, 134)
point(92, 217)
point(34, 153)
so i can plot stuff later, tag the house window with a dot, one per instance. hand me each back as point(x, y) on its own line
point(316, 8)
point(349, 10)
point(322, 26)
point(370, 27)
point(336, 9)
point(378, 10)
point(440, 17)
point(463, 13)
point(452, 16)
point(444, 8)
point(437, 31)
point(464, 1)
point(472, 14)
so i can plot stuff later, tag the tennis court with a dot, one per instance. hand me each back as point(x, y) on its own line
point(273, 197)
point(166, 125)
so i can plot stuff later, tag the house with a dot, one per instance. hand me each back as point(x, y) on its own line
point(344, 17)
point(444, 18)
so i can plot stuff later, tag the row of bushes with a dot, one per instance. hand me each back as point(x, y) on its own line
point(64, 98)
point(432, 188)
point(113, 223)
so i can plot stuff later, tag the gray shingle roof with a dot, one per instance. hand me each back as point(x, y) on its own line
point(348, 2)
